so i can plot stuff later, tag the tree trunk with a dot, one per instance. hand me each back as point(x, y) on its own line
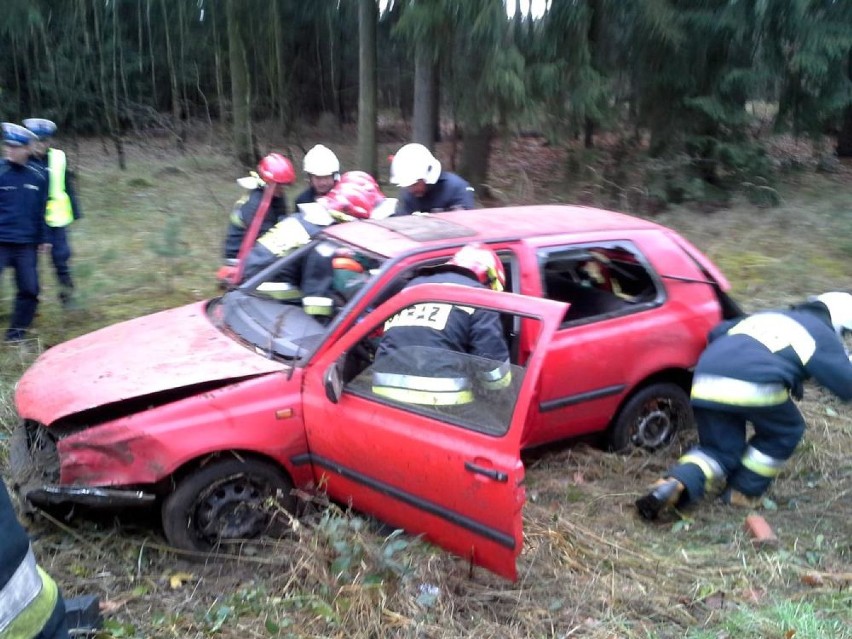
point(475, 154)
point(279, 101)
point(423, 124)
point(220, 82)
point(151, 56)
point(844, 137)
point(173, 78)
point(107, 101)
point(367, 26)
point(243, 145)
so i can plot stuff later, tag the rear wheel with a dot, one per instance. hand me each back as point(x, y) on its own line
point(228, 501)
point(651, 417)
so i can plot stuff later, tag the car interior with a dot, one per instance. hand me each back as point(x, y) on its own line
point(597, 281)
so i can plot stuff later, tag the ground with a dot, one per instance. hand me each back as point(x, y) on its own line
point(589, 567)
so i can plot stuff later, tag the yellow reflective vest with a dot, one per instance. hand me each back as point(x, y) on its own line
point(59, 211)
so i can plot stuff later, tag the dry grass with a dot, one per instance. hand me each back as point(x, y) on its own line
point(589, 568)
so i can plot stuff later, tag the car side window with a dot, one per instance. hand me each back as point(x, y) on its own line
point(476, 389)
point(598, 281)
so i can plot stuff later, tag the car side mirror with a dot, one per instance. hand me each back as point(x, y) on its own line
point(333, 383)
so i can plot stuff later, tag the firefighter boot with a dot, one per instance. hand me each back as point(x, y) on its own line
point(664, 493)
point(739, 500)
point(66, 297)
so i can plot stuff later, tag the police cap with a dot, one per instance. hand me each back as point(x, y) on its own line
point(41, 127)
point(16, 135)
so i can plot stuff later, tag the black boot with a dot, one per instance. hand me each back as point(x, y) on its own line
point(663, 494)
point(66, 297)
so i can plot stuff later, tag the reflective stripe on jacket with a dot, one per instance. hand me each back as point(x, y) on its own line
point(737, 392)
point(59, 211)
point(417, 389)
point(27, 601)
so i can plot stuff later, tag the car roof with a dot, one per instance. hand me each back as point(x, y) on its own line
point(396, 235)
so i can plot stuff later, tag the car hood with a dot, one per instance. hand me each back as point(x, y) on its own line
point(165, 351)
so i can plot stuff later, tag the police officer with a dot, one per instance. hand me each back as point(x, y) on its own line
point(748, 373)
point(440, 373)
point(273, 169)
point(62, 206)
point(23, 197)
point(323, 170)
point(426, 188)
point(30, 602)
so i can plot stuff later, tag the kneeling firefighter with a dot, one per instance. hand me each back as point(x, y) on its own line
point(751, 371)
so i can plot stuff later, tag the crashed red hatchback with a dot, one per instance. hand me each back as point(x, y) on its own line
point(210, 409)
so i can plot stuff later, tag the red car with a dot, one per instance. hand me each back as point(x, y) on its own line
point(209, 409)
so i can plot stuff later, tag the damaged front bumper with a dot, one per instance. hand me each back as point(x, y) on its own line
point(34, 470)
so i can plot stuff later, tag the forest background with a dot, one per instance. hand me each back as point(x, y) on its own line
point(728, 120)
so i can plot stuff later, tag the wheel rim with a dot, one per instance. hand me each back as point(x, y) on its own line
point(656, 423)
point(232, 509)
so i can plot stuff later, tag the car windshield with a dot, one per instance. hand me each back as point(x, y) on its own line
point(284, 310)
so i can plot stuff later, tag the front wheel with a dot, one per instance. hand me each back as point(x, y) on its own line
point(651, 417)
point(228, 501)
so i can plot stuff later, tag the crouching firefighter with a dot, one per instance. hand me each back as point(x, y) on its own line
point(30, 602)
point(424, 358)
point(751, 371)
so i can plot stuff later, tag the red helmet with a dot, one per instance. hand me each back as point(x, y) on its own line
point(276, 169)
point(359, 178)
point(354, 195)
point(483, 263)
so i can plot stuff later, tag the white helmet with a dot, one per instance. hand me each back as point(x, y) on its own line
point(414, 162)
point(839, 306)
point(321, 160)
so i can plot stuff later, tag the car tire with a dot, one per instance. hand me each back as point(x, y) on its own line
point(228, 501)
point(650, 418)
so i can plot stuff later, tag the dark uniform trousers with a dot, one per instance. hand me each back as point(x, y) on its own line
point(60, 254)
point(722, 433)
point(23, 258)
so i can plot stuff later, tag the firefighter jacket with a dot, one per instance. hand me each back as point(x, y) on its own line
point(449, 193)
point(243, 214)
point(441, 372)
point(23, 196)
point(307, 196)
point(28, 596)
point(283, 238)
point(763, 359)
point(62, 207)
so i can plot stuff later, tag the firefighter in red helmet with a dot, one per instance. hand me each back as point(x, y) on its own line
point(273, 169)
point(425, 355)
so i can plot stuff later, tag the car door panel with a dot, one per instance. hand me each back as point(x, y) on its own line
point(461, 488)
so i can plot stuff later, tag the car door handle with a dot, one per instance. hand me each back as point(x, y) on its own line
point(496, 475)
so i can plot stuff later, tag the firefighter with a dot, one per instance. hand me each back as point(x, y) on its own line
point(425, 187)
point(30, 603)
point(447, 379)
point(62, 206)
point(323, 170)
point(273, 169)
point(751, 371)
point(354, 197)
point(23, 197)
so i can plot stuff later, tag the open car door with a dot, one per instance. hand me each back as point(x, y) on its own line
point(453, 475)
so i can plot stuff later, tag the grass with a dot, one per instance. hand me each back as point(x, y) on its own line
point(151, 239)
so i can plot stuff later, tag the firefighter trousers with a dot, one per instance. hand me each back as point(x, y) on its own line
point(747, 464)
